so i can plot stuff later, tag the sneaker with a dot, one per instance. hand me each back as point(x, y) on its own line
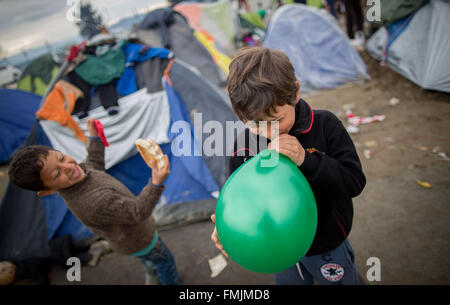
point(113, 110)
point(359, 41)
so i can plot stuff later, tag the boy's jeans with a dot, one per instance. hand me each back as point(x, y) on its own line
point(160, 267)
point(332, 268)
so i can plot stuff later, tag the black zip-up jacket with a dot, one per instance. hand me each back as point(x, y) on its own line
point(331, 166)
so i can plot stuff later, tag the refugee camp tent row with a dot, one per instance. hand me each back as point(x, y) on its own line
point(143, 88)
point(415, 42)
point(146, 105)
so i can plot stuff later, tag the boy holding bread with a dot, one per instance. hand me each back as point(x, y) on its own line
point(101, 202)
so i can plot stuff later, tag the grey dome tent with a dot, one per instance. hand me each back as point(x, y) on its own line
point(418, 46)
point(321, 53)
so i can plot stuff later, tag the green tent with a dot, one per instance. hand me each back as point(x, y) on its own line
point(38, 74)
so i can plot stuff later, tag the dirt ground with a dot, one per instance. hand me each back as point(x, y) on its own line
point(403, 224)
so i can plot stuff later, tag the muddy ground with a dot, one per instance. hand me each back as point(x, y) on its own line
point(403, 224)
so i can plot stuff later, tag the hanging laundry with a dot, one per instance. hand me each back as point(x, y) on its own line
point(59, 105)
point(107, 93)
point(142, 115)
point(82, 105)
point(101, 70)
point(136, 53)
point(149, 74)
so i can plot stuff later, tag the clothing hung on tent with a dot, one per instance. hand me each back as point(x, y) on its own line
point(58, 107)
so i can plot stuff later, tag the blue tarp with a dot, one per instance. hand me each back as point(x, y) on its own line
point(17, 115)
point(320, 51)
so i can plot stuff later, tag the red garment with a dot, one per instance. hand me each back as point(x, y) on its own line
point(100, 132)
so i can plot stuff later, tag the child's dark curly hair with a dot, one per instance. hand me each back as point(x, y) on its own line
point(26, 165)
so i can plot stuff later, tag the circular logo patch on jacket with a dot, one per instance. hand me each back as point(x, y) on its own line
point(332, 272)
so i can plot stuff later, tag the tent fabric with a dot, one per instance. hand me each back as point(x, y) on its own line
point(393, 10)
point(185, 47)
point(22, 235)
point(321, 53)
point(136, 53)
point(38, 74)
point(150, 72)
point(201, 96)
point(218, 19)
point(420, 53)
point(221, 60)
point(194, 164)
point(255, 19)
point(161, 19)
point(395, 30)
point(142, 115)
point(17, 116)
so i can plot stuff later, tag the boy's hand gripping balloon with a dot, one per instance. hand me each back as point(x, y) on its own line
point(266, 215)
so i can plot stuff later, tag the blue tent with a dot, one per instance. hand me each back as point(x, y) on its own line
point(17, 116)
point(319, 50)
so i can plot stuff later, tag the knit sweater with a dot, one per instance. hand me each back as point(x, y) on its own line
point(108, 208)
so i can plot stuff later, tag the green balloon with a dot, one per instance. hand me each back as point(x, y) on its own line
point(266, 214)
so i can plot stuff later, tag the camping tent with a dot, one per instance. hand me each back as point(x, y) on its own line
point(37, 75)
point(418, 46)
point(320, 52)
point(169, 29)
point(17, 116)
point(393, 10)
point(217, 18)
point(28, 222)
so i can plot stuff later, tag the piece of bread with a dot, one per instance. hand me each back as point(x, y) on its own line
point(149, 151)
point(7, 273)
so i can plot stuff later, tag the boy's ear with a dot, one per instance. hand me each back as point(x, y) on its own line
point(298, 90)
point(45, 192)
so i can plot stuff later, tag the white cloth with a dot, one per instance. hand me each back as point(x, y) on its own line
point(141, 115)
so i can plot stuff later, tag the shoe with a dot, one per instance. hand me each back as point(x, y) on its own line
point(359, 41)
point(82, 115)
point(113, 110)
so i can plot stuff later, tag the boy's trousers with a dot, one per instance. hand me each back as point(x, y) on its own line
point(331, 268)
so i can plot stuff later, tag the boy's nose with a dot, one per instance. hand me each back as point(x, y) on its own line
point(67, 167)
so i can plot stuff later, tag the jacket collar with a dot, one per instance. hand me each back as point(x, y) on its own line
point(304, 118)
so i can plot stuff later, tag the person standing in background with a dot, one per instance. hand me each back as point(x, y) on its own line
point(355, 20)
